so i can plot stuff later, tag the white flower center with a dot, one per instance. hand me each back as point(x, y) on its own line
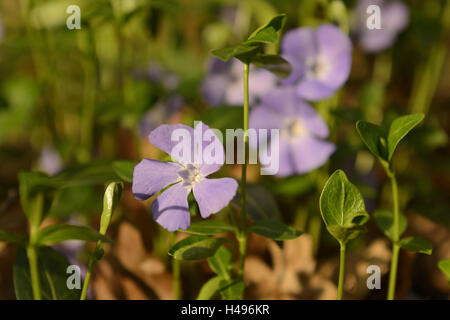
point(190, 175)
point(317, 67)
point(294, 129)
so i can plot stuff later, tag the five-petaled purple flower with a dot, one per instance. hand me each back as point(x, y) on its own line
point(321, 60)
point(170, 209)
point(225, 81)
point(302, 130)
point(394, 18)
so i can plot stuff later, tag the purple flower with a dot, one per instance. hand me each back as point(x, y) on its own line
point(159, 114)
point(225, 83)
point(170, 209)
point(321, 60)
point(302, 130)
point(394, 18)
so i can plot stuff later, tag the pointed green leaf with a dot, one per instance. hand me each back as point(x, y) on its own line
point(232, 289)
point(444, 265)
point(274, 63)
point(209, 227)
point(210, 288)
point(242, 52)
point(58, 233)
point(196, 248)
point(36, 195)
point(221, 262)
point(124, 169)
point(268, 33)
point(111, 199)
point(416, 244)
point(342, 208)
point(400, 128)
point(385, 221)
point(11, 237)
point(53, 276)
point(274, 229)
point(373, 137)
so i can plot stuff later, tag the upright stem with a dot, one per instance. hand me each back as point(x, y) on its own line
point(341, 272)
point(242, 238)
point(395, 246)
point(32, 258)
point(87, 279)
point(176, 274)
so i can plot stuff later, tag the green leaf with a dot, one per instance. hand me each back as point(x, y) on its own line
point(58, 233)
point(444, 265)
point(416, 244)
point(268, 33)
point(243, 52)
point(385, 221)
point(274, 229)
point(52, 267)
point(210, 288)
point(260, 203)
point(274, 63)
point(400, 128)
point(373, 137)
point(232, 289)
point(342, 208)
point(11, 237)
point(209, 227)
point(221, 262)
point(36, 195)
point(111, 199)
point(124, 169)
point(196, 248)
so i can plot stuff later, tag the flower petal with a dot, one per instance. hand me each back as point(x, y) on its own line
point(310, 153)
point(286, 160)
point(213, 195)
point(161, 138)
point(171, 208)
point(151, 176)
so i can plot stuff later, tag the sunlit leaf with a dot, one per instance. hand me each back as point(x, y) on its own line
point(400, 128)
point(196, 248)
point(221, 262)
point(210, 288)
point(342, 208)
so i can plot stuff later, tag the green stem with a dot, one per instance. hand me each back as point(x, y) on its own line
point(242, 238)
point(176, 274)
point(91, 263)
point(341, 272)
point(396, 238)
point(32, 258)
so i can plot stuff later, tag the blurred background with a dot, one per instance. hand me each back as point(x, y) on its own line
point(90, 96)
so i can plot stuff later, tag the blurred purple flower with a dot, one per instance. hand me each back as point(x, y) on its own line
point(1, 31)
point(159, 114)
point(156, 74)
point(50, 161)
point(302, 131)
point(170, 209)
point(394, 18)
point(225, 82)
point(321, 60)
